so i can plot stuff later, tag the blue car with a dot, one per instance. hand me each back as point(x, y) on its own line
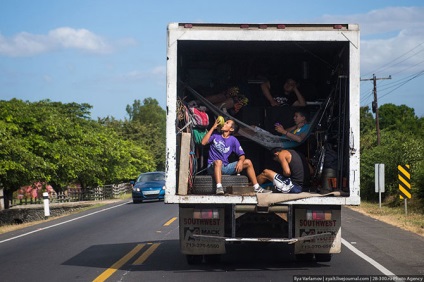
point(149, 186)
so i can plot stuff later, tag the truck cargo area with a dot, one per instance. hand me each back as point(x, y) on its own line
point(320, 67)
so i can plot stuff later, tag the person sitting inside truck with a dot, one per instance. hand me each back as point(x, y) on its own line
point(222, 145)
point(289, 96)
point(294, 135)
point(283, 99)
point(295, 172)
point(231, 99)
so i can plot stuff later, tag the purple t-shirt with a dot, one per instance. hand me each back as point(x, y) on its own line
point(221, 148)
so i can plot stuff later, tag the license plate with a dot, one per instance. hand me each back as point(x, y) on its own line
point(151, 192)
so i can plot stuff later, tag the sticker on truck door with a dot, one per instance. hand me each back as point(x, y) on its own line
point(319, 231)
point(198, 229)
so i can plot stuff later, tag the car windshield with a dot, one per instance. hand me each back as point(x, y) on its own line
point(151, 177)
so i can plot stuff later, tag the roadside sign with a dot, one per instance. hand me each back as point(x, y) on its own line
point(379, 181)
point(379, 178)
point(404, 182)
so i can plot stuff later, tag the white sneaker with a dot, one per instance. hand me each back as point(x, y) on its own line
point(282, 184)
point(262, 190)
point(219, 190)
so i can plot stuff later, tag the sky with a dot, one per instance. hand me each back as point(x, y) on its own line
point(109, 53)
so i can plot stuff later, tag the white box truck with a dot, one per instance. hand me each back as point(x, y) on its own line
point(205, 59)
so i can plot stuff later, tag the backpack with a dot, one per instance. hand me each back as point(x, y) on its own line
point(199, 117)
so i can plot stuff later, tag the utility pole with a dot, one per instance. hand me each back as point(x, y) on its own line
point(375, 104)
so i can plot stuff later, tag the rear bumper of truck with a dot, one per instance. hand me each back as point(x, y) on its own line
point(262, 200)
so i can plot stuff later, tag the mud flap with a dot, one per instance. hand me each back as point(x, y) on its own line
point(318, 230)
point(206, 222)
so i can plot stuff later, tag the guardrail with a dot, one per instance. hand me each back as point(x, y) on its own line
point(106, 192)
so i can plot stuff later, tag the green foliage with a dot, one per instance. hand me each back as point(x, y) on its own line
point(401, 118)
point(401, 143)
point(367, 120)
point(147, 125)
point(58, 143)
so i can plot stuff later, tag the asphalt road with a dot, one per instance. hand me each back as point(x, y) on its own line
point(139, 242)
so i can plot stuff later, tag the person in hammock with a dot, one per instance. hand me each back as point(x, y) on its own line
point(231, 99)
point(294, 135)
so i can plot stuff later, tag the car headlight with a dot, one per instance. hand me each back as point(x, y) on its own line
point(136, 189)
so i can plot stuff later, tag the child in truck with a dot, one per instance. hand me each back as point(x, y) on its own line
point(222, 145)
point(295, 134)
point(295, 172)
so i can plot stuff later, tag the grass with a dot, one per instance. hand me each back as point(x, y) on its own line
point(394, 214)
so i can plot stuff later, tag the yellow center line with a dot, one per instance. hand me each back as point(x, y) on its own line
point(144, 256)
point(170, 221)
point(108, 272)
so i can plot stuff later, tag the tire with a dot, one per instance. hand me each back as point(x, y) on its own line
point(213, 259)
point(323, 257)
point(194, 259)
point(304, 257)
point(206, 185)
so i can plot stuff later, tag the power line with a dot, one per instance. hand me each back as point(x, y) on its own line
point(397, 84)
point(385, 66)
point(403, 83)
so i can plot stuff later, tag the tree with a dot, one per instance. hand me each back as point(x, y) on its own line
point(400, 118)
point(147, 124)
point(367, 120)
point(58, 143)
point(401, 143)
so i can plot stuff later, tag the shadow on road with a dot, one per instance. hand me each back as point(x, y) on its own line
point(167, 257)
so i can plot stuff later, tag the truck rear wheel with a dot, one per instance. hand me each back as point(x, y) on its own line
point(305, 257)
point(323, 257)
point(212, 259)
point(194, 259)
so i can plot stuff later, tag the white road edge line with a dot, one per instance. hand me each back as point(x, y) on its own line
point(384, 270)
point(57, 224)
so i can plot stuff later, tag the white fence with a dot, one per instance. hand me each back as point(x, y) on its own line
point(112, 191)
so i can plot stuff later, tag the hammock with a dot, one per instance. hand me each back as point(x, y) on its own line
point(257, 134)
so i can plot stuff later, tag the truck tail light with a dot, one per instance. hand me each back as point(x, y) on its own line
point(205, 214)
point(318, 214)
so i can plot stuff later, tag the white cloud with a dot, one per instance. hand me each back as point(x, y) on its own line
point(47, 78)
point(391, 38)
point(159, 70)
point(156, 73)
point(383, 20)
point(27, 44)
point(81, 39)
